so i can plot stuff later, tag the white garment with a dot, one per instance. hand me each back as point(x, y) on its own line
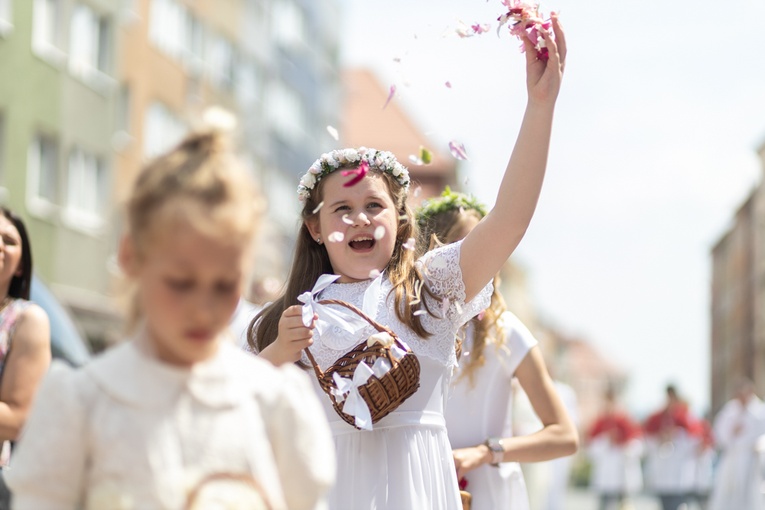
point(405, 462)
point(615, 467)
point(240, 322)
point(739, 473)
point(130, 432)
point(479, 408)
point(671, 465)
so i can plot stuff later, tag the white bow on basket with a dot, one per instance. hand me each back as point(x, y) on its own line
point(373, 378)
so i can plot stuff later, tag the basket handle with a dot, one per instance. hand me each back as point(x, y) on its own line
point(379, 327)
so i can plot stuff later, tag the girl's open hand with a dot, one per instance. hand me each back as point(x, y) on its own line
point(543, 77)
point(293, 336)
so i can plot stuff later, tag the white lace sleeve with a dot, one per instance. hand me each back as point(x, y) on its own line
point(443, 276)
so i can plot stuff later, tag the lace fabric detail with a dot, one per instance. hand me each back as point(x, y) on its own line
point(444, 278)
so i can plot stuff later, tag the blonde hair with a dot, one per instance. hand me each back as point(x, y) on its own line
point(311, 261)
point(201, 183)
point(444, 224)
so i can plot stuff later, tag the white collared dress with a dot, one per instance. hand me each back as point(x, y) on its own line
point(405, 462)
point(129, 432)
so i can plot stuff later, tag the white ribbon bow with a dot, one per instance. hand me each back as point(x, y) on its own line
point(347, 321)
point(354, 404)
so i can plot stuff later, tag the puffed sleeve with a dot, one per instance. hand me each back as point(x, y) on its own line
point(303, 446)
point(48, 463)
point(443, 276)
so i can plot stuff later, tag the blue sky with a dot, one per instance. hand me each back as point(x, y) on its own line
point(654, 147)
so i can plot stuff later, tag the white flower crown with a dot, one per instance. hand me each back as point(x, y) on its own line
point(382, 161)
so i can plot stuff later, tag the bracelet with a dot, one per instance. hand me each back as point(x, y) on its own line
point(494, 444)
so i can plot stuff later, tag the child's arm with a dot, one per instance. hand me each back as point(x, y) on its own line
point(48, 463)
point(493, 240)
point(558, 437)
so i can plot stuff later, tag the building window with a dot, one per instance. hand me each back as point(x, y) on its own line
point(222, 61)
point(89, 44)
point(46, 30)
point(248, 87)
point(42, 175)
point(288, 24)
point(286, 113)
point(86, 190)
point(6, 18)
point(167, 27)
point(162, 130)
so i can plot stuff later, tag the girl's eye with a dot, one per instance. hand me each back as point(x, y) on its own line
point(10, 241)
point(343, 208)
point(374, 204)
point(225, 287)
point(179, 285)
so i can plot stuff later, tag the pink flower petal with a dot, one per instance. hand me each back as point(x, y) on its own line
point(391, 93)
point(448, 84)
point(457, 150)
point(359, 173)
point(374, 273)
point(409, 244)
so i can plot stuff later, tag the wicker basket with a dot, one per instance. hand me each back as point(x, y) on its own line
point(467, 499)
point(382, 395)
point(227, 491)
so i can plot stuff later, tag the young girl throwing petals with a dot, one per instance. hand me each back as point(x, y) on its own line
point(497, 347)
point(178, 417)
point(357, 225)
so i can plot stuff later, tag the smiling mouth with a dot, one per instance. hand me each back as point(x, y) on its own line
point(362, 243)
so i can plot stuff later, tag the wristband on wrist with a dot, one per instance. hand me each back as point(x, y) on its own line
point(494, 444)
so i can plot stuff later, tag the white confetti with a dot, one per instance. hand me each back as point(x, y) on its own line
point(409, 244)
point(333, 133)
point(318, 207)
point(417, 191)
point(374, 273)
point(379, 233)
point(336, 237)
point(419, 312)
point(347, 220)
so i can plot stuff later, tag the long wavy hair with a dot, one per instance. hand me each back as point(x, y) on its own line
point(311, 261)
point(447, 223)
point(20, 284)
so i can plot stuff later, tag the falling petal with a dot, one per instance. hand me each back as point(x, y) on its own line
point(415, 160)
point(403, 217)
point(425, 155)
point(374, 273)
point(448, 84)
point(481, 315)
point(336, 237)
point(409, 244)
point(347, 220)
point(333, 133)
point(359, 173)
point(318, 208)
point(457, 150)
point(444, 306)
point(379, 233)
point(417, 191)
point(391, 93)
point(417, 293)
point(419, 312)
point(458, 307)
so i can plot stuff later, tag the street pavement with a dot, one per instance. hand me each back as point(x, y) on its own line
point(583, 499)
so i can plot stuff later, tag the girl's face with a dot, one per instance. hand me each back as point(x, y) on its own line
point(356, 212)
point(189, 286)
point(10, 250)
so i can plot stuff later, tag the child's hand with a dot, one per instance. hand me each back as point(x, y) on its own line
point(467, 459)
point(293, 336)
point(543, 77)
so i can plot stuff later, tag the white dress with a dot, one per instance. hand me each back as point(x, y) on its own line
point(479, 410)
point(130, 432)
point(739, 473)
point(405, 462)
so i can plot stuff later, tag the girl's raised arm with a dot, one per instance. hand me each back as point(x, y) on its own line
point(494, 239)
